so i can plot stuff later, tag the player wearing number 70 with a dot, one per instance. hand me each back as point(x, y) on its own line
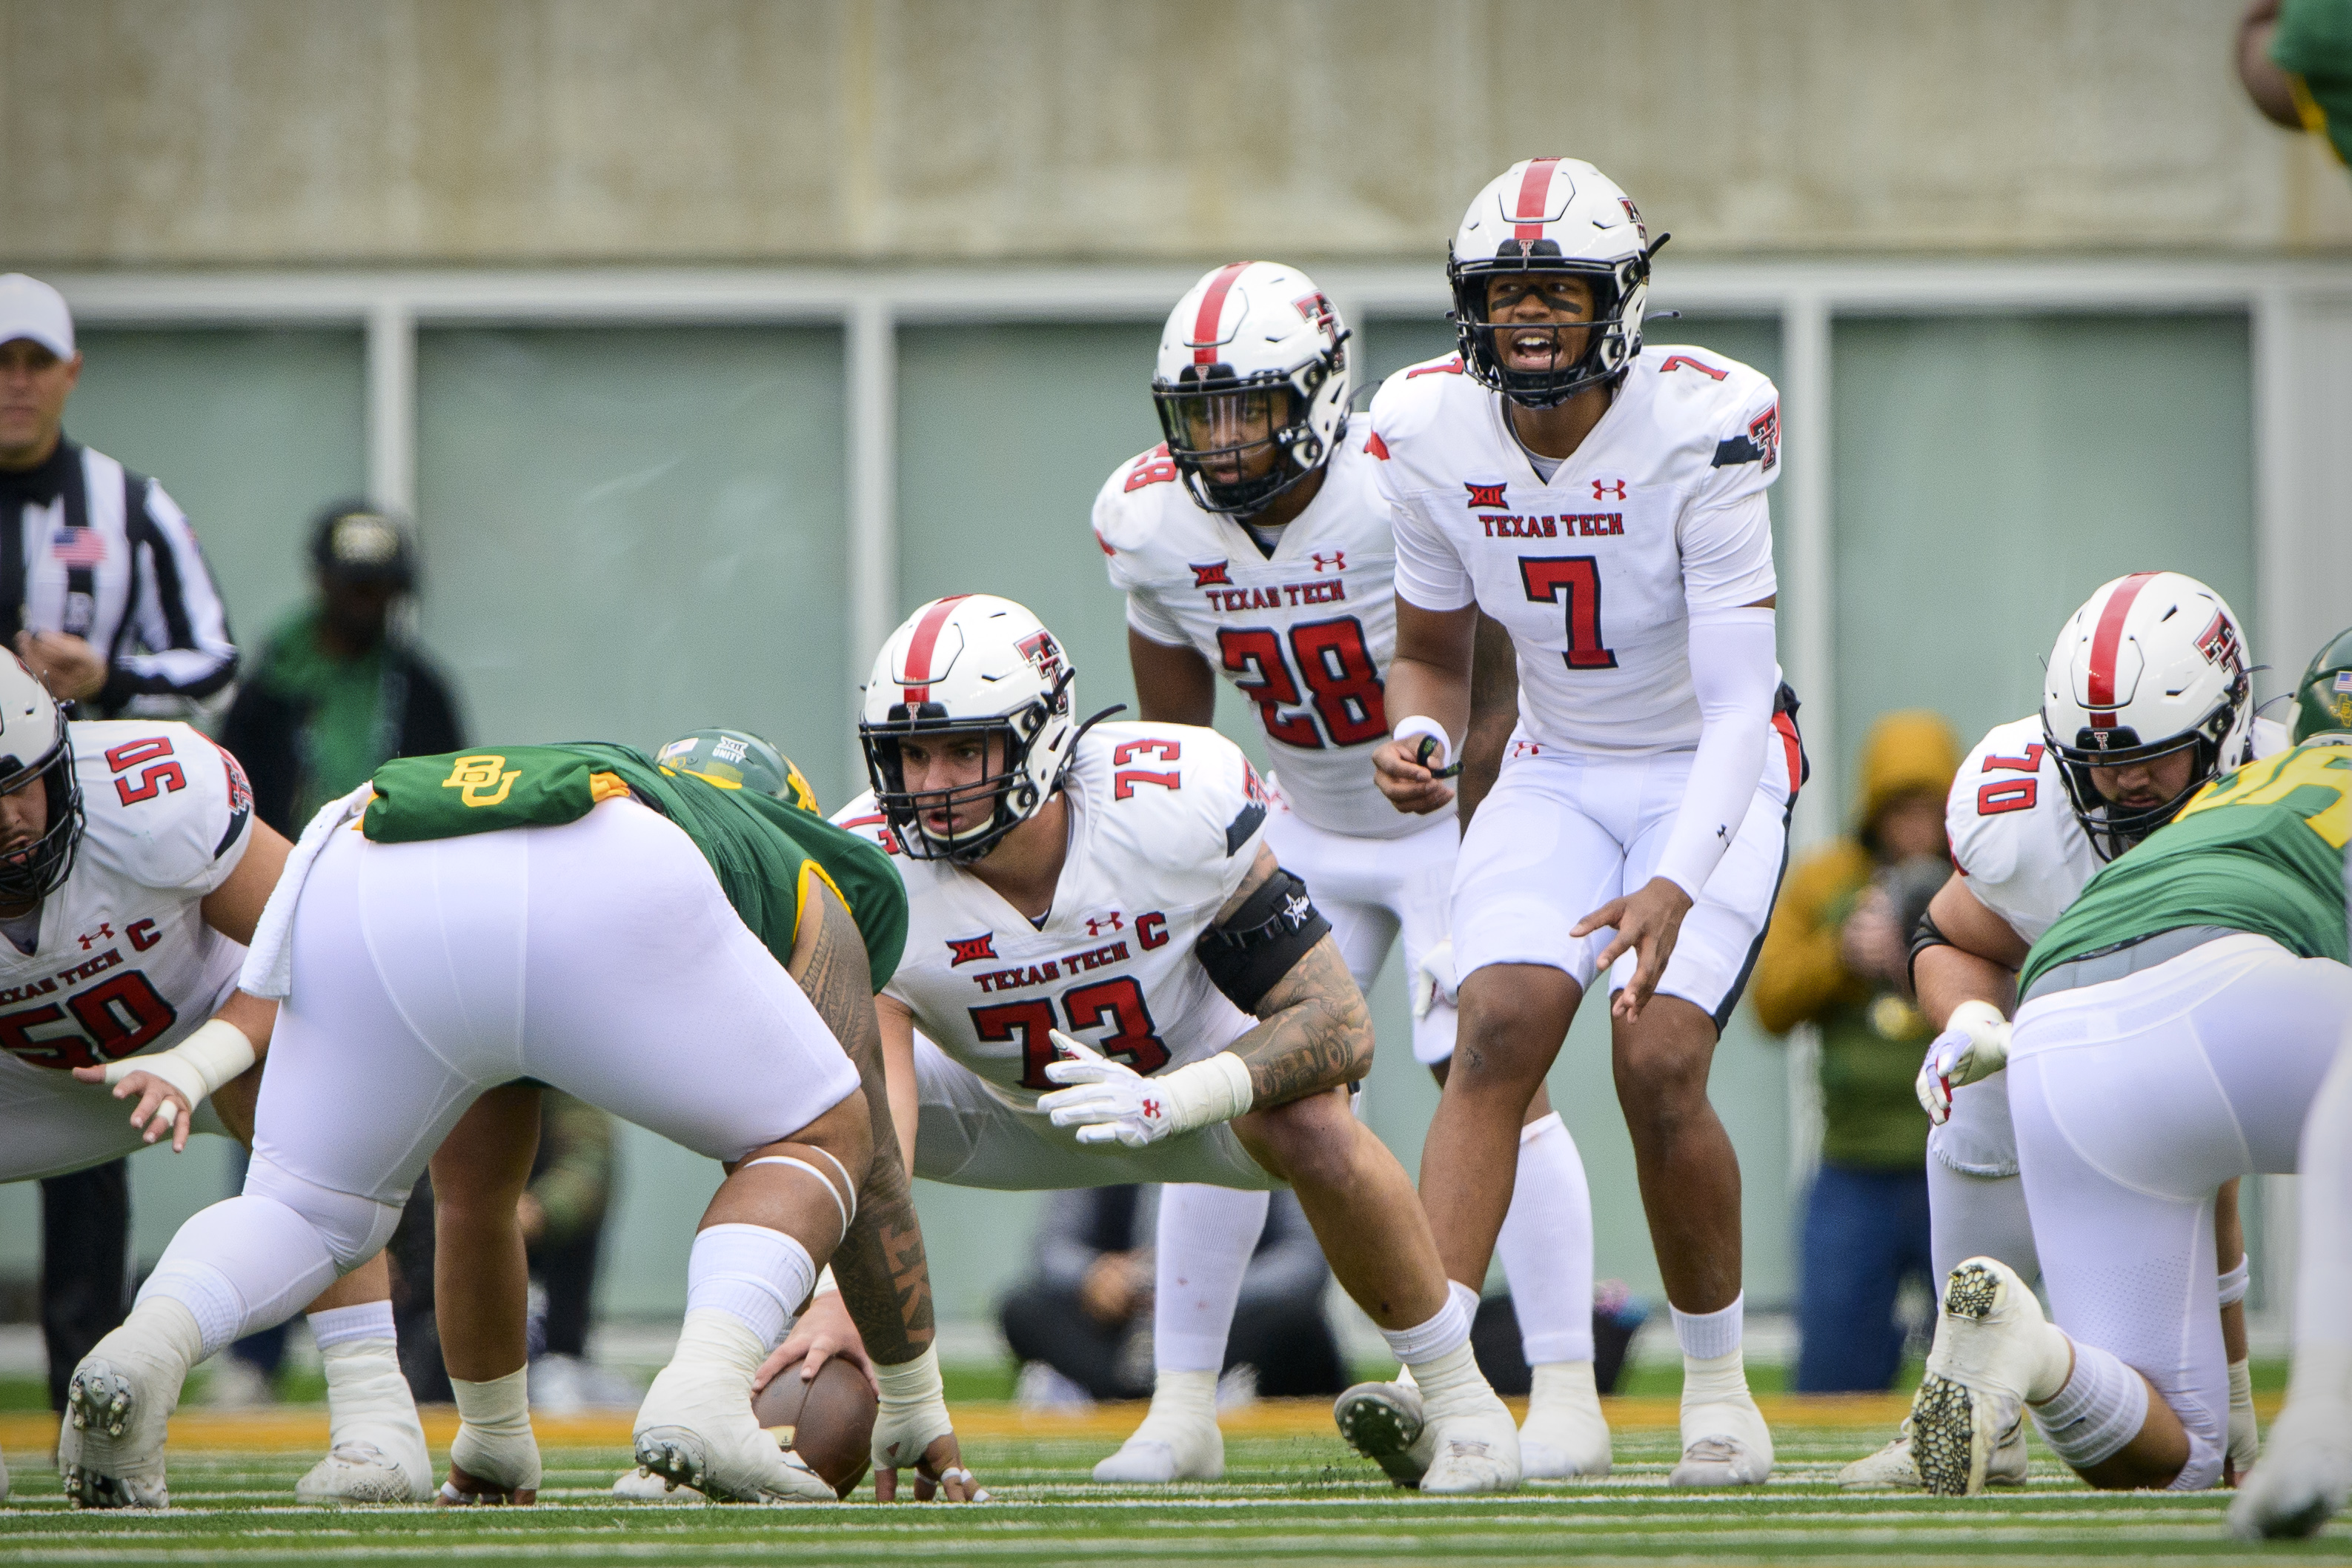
point(131, 872)
point(1124, 985)
point(1254, 540)
point(1604, 501)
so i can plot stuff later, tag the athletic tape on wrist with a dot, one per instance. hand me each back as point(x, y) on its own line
point(212, 1054)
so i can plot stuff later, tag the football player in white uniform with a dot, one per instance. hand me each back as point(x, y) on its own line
point(1112, 881)
point(2030, 822)
point(131, 870)
point(1254, 540)
point(1605, 502)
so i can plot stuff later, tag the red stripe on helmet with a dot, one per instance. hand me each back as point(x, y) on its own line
point(918, 684)
point(1213, 309)
point(1535, 192)
point(2104, 644)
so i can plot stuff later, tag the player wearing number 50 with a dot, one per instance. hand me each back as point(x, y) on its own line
point(2176, 1025)
point(1125, 985)
point(131, 871)
point(1604, 500)
point(1255, 541)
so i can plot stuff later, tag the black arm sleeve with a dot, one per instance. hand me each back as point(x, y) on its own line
point(1263, 942)
point(1925, 935)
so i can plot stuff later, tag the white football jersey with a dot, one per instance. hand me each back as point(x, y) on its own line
point(124, 963)
point(1166, 820)
point(1304, 633)
point(1594, 572)
point(2013, 830)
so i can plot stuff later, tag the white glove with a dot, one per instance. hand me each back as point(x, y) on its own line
point(1435, 980)
point(1111, 1102)
point(1973, 1045)
point(2246, 1430)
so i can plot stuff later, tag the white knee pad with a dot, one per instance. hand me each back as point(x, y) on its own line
point(354, 1228)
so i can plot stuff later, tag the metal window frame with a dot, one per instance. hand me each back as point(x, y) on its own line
point(1806, 297)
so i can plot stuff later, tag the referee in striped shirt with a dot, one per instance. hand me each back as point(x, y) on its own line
point(103, 590)
point(105, 595)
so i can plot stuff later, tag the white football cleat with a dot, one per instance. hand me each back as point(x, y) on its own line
point(357, 1470)
point(376, 1450)
point(2304, 1478)
point(1974, 1391)
point(1170, 1445)
point(1384, 1421)
point(696, 1427)
point(644, 1486)
point(110, 1445)
point(1565, 1435)
point(1725, 1444)
point(1474, 1443)
point(1892, 1470)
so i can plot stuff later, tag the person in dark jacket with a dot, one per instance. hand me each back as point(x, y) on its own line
point(1086, 1308)
point(338, 690)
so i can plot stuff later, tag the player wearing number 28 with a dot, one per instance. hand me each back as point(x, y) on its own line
point(131, 872)
point(1255, 541)
point(1604, 500)
point(1125, 985)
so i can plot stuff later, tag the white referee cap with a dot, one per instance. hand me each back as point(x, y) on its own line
point(31, 309)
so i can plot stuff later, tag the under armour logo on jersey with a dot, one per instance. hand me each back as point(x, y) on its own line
point(1150, 1108)
point(1215, 571)
point(1608, 489)
point(1108, 923)
point(105, 934)
point(1486, 495)
point(970, 949)
point(1335, 562)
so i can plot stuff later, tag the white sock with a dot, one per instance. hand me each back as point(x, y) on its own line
point(364, 1382)
point(1710, 1336)
point(242, 1265)
point(2100, 1409)
point(1567, 1385)
point(498, 1408)
point(1183, 1395)
point(2054, 1357)
point(1546, 1245)
point(339, 1325)
point(1714, 1380)
point(171, 1324)
point(1206, 1237)
point(757, 1276)
point(1448, 1331)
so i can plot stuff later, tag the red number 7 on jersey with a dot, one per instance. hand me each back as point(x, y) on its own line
point(1576, 578)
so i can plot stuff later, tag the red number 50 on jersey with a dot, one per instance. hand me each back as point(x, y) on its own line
point(156, 778)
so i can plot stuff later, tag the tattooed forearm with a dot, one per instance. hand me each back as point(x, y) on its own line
point(884, 1283)
point(1314, 1033)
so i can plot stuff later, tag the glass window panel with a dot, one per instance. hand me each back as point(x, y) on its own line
point(629, 532)
point(1989, 474)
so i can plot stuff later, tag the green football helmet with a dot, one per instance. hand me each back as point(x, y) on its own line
point(2323, 699)
point(737, 759)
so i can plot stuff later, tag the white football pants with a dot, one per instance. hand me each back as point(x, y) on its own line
point(2133, 1101)
point(601, 958)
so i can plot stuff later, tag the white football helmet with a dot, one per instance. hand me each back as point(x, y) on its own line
point(34, 748)
point(2152, 664)
point(971, 664)
point(1552, 215)
point(1253, 358)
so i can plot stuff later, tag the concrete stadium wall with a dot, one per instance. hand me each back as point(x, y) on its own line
point(165, 133)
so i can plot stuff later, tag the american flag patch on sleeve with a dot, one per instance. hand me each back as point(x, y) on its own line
point(79, 546)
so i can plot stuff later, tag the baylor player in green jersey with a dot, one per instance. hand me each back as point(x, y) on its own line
point(2176, 1024)
point(827, 903)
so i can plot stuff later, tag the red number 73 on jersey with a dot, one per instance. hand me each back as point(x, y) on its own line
point(1118, 1003)
point(155, 778)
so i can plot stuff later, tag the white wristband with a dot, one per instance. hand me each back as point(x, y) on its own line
point(913, 1412)
point(1202, 1094)
point(1415, 726)
point(211, 1056)
point(2231, 1288)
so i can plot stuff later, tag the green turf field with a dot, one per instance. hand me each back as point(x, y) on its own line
point(1288, 1500)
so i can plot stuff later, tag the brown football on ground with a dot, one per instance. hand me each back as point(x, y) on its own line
point(828, 1422)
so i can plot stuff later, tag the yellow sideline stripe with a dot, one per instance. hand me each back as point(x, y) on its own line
point(302, 1427)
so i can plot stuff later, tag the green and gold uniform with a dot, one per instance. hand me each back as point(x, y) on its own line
point(770, 856)
point(2261, 851)
point(2314, 46)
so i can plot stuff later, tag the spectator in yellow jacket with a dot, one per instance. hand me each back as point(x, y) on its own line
point(1836, 956)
